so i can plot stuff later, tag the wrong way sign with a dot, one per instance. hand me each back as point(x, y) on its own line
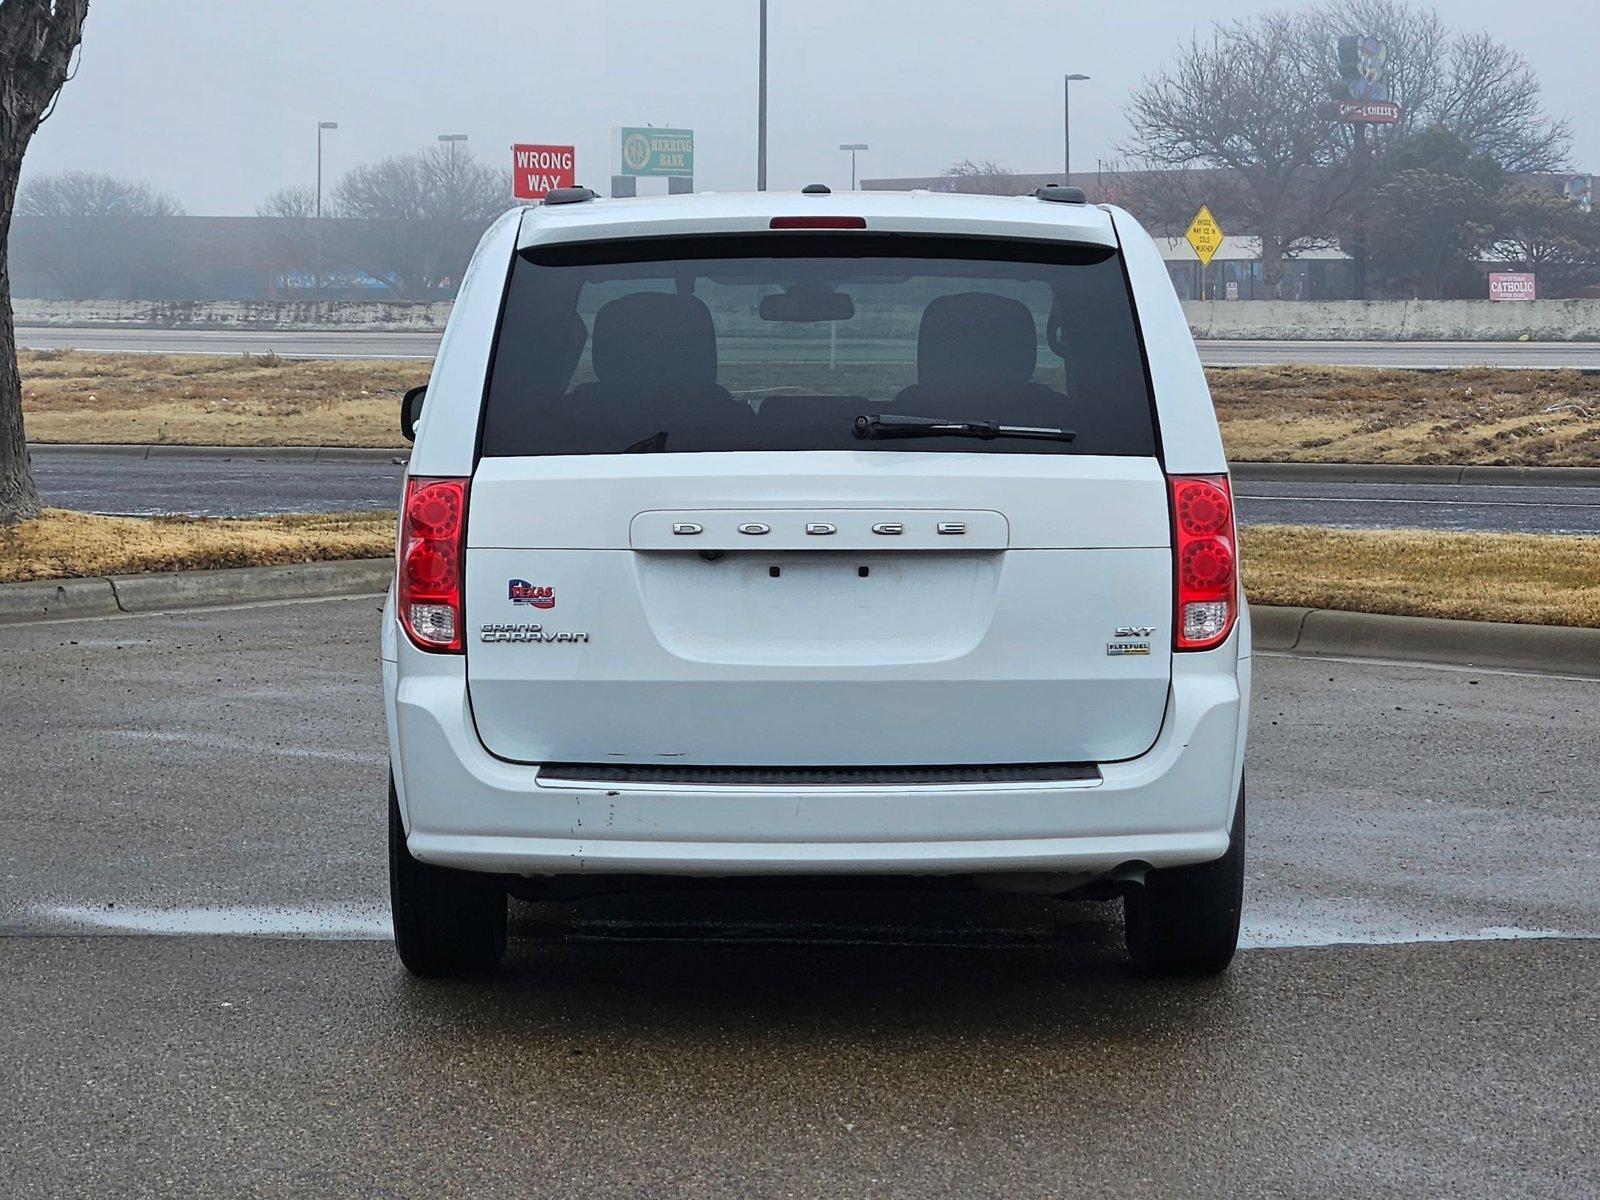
point(536, 171)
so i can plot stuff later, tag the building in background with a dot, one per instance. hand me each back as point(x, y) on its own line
point(273, 258)
point(1316, 272)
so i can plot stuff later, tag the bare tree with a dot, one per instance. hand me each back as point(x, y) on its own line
point(37, 41)
point(986, 178)
point(295, 203)
point(93, 229)
point(1246, 121)
point(292, 237)
point(1493, 101)
point(1478, 88)
point(1418, 43)
point(92, 194)
point(1468, 85)
point(1246, 113)
point(421, 214)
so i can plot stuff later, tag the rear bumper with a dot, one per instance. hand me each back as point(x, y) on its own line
point(464, 808)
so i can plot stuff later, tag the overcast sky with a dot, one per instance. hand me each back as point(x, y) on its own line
point(216, 101)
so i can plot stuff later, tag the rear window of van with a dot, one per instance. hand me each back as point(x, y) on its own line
point(781, 341)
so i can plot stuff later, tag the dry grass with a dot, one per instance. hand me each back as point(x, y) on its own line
point(63, 544)
point(1362, 414)
point(214, 399)
point(1474, 576)
point(1285, 414)
point(1489, 577)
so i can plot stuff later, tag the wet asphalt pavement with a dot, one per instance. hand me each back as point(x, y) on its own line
point(1415, 1015)
point(243, 486)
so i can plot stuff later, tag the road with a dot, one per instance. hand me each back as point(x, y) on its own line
point(98, 482)
point(362, 344)
point(1414, 1016)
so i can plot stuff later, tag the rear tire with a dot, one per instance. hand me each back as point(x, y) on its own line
point(446, 922)
point(1185, 920)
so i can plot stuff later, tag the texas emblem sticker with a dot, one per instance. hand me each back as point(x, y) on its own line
point(537, 595)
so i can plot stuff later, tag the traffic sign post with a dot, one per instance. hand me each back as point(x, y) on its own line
point(1205, 236)
point(538, 170)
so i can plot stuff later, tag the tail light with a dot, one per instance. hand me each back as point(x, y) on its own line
point(433, 534)
point(1205, 561)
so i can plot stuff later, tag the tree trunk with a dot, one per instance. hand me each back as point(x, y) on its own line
point(37, 38)
point(1272, 266)
point(19, 499)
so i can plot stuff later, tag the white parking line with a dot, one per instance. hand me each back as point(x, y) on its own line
point(345, 921)
point(324, 922)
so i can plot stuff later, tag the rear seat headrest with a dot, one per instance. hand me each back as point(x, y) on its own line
point(658, 341)
point(976, 341)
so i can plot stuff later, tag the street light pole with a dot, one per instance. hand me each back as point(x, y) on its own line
point(853, 147)
point(321, 125)
point(761, 106)
point(1066, 126)
point(451, 139)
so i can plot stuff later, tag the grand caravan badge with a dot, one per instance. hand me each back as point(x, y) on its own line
point(522, 632)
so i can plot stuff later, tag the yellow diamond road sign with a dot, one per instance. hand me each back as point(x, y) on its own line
point(1205, 235)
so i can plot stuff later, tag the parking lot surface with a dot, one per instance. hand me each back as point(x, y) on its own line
point(201, 1000)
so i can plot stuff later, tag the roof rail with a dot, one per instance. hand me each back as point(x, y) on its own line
point(571, 195)
point(1062, 195)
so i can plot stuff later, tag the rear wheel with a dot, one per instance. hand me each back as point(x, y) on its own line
point(1185, 920)
point(446, 922)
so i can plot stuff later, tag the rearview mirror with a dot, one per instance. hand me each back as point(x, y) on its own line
point(411, 411)
point(808, 304)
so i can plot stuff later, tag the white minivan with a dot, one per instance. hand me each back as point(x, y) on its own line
point(808, 534)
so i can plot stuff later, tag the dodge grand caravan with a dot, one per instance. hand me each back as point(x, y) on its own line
point(813, 535)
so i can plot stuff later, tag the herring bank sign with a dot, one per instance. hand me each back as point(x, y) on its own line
point(536, 171)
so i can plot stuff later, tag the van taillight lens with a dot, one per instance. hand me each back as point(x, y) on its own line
point(433, 534)
point(1205, 561)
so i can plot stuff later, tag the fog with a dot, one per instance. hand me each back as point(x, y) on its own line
point(217, 103)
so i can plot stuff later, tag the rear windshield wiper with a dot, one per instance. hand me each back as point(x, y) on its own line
point(889, 425)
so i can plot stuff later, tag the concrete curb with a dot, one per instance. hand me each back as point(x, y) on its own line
point(239, 453)
point(112, 594)
point(1556, 649)
point(1304, 631)
point(56, 598)
point(1245, 472)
